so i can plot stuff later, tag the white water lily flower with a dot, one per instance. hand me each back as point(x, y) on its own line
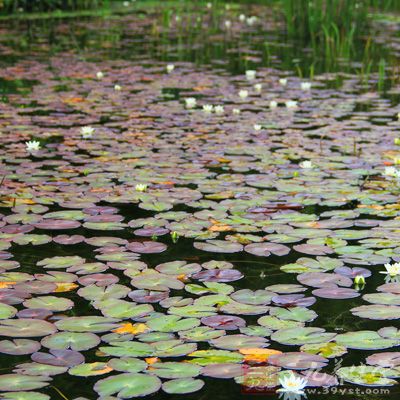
point(258, 87)
point(126, 3)
point(209, 5)
point(251, 21)
point(291, 104)
point(292, 384)
point(306, 164)
point(242, 18)
point(257, 127)
point(87, 132)
point(219, 109)
point(398, 115)
point(32, 145)
point(250, 74)
point(190, 102)
point(392, 171)
point(117, 88)
point(392, 270)
point(243, 94)
point(208, 108)
point(273, 104)
point(283, 81)
point(170, 68)
point(141, 187)
point(305, 85)
point(228, 24)
point(100, 75)
point(235, 111)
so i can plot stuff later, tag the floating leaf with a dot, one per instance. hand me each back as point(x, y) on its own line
point(16, 382)
point(20, 328)
point(365, 340)
point(296, 336)
point(19, 346)
point(128, 385)
point(182, 386)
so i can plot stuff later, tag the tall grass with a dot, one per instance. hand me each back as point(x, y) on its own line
point(14, 6)
point(335, 21)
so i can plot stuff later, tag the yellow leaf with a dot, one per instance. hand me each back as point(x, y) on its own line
point(98, 368)
point(133, 329)
point(151, 360)
point(65, 287)
point(220, 228)
point(182, 277)
point(224, 160)
point(5, 285)
point(257, 354)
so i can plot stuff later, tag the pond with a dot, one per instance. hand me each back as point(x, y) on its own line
point(197, 203)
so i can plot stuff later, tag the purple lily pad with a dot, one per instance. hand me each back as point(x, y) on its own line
point(298, 361)
point(218, 275)
point(322, 279)
point(265, 249)
point(224, 370)
point(147, 296)
point(59, 358)
point(57, 224)
point(226, 322)
point(353, 272)
point(294, 300)
point(65, 239)
point(336, 293)
point(146, 247)
point(151, 231)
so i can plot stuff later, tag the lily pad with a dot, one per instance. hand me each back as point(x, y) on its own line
point(129, 385)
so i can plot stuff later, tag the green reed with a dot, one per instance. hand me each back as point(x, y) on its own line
point(32, 6)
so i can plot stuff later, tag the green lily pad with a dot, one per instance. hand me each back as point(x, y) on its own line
point(17, 382)
point(19, 346)
point(7, 311)
point(172, 323)
point(383, 298)
point(71, 341)
point(201, 334)
point(210, 287)
point(89, 369)
point(51, 303)
point(26, 327)
point(127, 364)
point(174, 370)
point(299, 314)
point(182, 386)
point(365, 340)
point(275, 323)
point(128, 349)
point(376, 311)
point(93, 324)
point(327, 350)
point(300, 336)
point(193, 311)
point(126, 386)
point(24, 396)
point(366, 375)
point(207, 357)
point(39, 369)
